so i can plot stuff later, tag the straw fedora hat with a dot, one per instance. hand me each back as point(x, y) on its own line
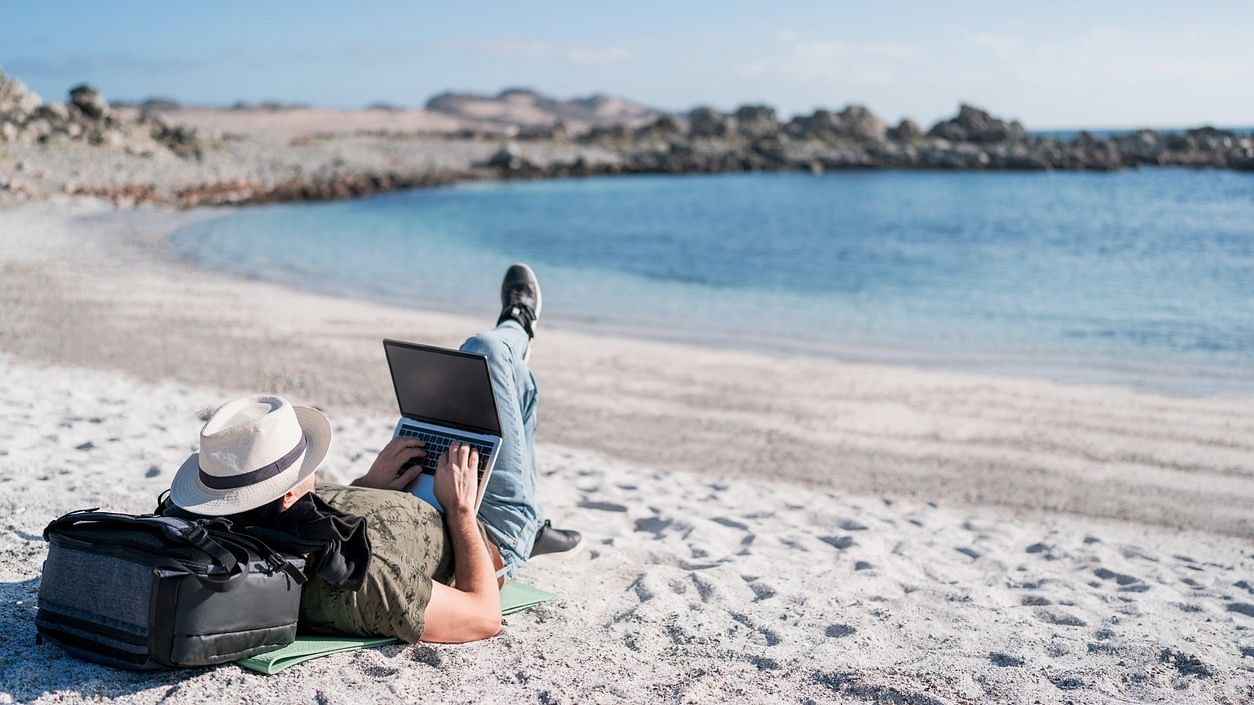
point(252, 451)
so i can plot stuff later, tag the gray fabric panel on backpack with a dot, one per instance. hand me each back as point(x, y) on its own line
point(103, 588)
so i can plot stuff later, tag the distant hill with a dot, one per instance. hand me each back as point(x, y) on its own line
point(524, 107)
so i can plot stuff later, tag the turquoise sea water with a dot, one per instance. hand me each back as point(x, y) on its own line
point(1140, 277)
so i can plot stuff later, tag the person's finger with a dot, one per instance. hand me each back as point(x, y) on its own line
point(474, 463)
point(398, 444)
point(388, 449)
point(394, 447)
point(463, 456)
point(443, 464)
point(411, 453)
point(405, 479)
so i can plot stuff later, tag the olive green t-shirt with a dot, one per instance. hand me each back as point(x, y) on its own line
point(410, 548)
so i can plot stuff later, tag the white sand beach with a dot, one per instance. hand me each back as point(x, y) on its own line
point(889, 535)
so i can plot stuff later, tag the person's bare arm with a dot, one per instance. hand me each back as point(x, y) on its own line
point(472, 610)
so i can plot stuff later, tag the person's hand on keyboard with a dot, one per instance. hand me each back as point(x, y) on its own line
point(457, 479)
point(391, 470)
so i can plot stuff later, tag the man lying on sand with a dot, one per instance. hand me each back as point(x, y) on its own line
point(386, 557)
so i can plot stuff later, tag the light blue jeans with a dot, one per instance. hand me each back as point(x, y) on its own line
point(511, 509)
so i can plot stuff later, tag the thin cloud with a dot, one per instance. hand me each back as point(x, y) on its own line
point(856, 61)
point(84, 64)
point(588, 57)
point(536, 50)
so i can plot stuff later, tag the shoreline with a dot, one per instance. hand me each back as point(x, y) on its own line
point(87, 285)
point(221, 157)
point(1158, 376)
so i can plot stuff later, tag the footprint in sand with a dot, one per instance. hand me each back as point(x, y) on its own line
point(380, 671)
point(968, 552)
point(840, 543)
point(768, 635)
point(602, 506)
point(653, 525)
point(429, 656)
point(1242, 608)
point(1044, 550)
point(1001, 660)
point(840, 631)
point(643, 593)
point(764, 664)
point(761, 591)
point(730, 523)
point(1127, 583)
point(1101, 647)
point(1062, 618)
point(1186, 664)
point(851, 525)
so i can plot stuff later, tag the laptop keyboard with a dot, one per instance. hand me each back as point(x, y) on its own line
point(438, 443)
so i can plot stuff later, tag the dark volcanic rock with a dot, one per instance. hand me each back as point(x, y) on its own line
point(975, 125)
point(708, 122)
point(906, 131)
point(507, 157)
point(855, 123)
point(665, 127)
point(179, 139)
point(755, 121)
point(89, 101)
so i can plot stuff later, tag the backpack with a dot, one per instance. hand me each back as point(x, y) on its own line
point(147, 591)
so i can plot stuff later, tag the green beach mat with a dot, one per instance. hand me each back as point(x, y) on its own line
point(515, 597)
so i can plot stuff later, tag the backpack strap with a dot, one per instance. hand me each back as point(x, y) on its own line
point(273, 558)
point(213, 536)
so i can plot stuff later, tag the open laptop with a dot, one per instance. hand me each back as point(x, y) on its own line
point(445, 396)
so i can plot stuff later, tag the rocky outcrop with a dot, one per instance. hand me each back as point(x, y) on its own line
point(665, 127)
point(507, 158)
point(752, 138)
point(906, 131)
point(16, 100)
point(977, 127)
point(26, 119)
point(521, 108)
point(705, 121)
point(855, 123)
point(756, 121)
point(89, 102)
point(242, 168)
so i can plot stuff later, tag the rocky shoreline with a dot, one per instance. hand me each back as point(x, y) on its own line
point(754, 139)
point(85, 147)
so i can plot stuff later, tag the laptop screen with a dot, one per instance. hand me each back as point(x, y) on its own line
point(443, 386)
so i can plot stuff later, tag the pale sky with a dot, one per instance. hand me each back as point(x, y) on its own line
point(1054, 64)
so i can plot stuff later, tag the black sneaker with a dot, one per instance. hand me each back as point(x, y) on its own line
point(520, 298)
point(550, 540)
